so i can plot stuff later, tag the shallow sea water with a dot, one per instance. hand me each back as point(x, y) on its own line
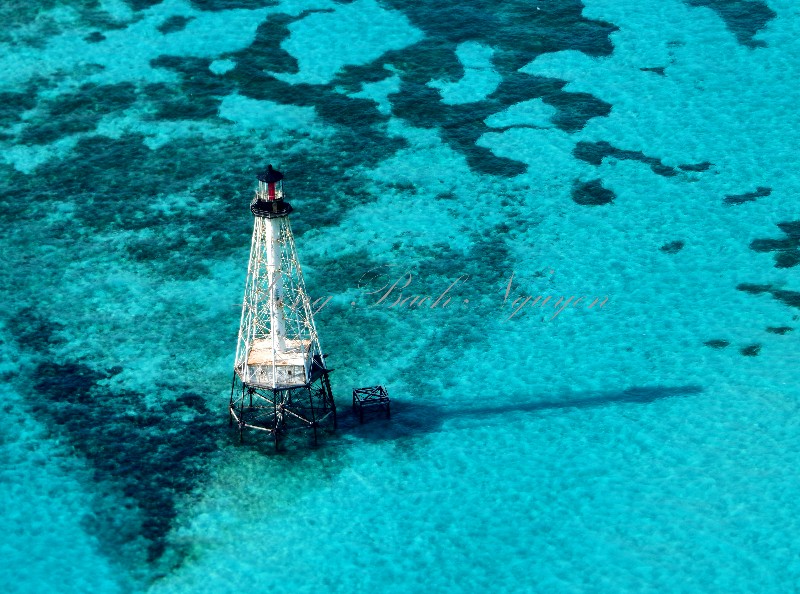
point(641, 155)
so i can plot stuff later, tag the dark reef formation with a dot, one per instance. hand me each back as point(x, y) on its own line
point(591, 193)
point(787, 249)
point(673, 247)
point(750, 350)
point(744, 18)
point(760, 192)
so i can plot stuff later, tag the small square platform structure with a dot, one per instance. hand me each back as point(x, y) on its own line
point(371, 398)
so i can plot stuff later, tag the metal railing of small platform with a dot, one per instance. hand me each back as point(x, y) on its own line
point(371, 398)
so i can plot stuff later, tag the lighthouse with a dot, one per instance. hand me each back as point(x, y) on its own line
point(280, 380)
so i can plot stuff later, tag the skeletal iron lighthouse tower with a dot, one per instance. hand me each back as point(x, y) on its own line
point(280, 381)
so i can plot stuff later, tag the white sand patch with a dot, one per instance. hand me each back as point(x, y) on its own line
point(533, 112)
point(379, 92)
point(479, 81)
point(354, 33)
point(221, 66)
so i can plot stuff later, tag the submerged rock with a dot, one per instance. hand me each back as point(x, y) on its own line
point(591, 193)
point(673, 247)
point(751, 351)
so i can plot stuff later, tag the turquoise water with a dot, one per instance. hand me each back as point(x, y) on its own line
point(638, 155)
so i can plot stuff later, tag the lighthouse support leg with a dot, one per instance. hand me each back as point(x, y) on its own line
point(328, 397)
point(275, 418)
point(313, 416)
point(230, 406)
point(282, 411)
point(241, 415)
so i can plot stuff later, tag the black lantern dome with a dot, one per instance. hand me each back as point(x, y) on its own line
point(269, 202)
point(270, 176)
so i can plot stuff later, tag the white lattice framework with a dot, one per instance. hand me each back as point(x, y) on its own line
point(278, 341)
point(280, 380)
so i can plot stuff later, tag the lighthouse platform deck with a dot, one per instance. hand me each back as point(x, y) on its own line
point(295, 352)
